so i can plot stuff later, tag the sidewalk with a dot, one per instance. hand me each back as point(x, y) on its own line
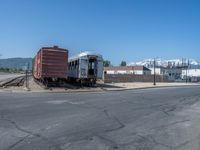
point(100, 87)
point(142, 85)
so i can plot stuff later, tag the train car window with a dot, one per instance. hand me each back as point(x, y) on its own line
point(76, 64)
point(91, 65)
point(69, 65)
point(72, 65)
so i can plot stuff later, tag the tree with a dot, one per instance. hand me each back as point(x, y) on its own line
point(123, 63)
point(106, 63)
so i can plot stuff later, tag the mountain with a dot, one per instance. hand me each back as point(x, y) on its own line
point(15, 63)
point(164, 63)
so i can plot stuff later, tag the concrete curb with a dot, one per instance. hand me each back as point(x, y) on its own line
point(142, 88)
point(97, 91)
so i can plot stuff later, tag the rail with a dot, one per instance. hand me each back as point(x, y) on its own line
point(17, 81)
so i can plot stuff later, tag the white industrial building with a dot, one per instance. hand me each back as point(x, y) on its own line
point(138, 70)
point(173, 73)
point(192, 74)
point(177, 73)
point(158, 70)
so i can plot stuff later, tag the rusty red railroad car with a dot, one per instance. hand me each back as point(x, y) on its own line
point(50, 64)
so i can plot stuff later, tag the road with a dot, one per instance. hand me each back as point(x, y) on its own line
point(151, 119)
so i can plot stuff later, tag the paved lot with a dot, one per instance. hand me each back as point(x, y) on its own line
point(4, 76)
point(151, 119)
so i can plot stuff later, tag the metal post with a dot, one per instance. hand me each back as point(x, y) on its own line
point(154, 79)
point(187, 71)
point(186, 75)
point(27, 77)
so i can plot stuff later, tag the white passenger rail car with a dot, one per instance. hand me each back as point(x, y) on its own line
point(86, 67)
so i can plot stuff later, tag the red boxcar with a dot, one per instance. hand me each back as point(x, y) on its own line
point(50, 64)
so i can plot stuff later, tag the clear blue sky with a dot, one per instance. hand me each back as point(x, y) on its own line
point(119, 29)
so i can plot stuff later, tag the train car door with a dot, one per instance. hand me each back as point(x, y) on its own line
point(100, 68)
point(92, 67)
point(83, 68)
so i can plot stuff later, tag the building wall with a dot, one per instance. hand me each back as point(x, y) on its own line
point(147, 72)
point(109, 78)
point(173, 73)
point(119, 72)
point(137, 72)
point(158, 71)
point(191, 72)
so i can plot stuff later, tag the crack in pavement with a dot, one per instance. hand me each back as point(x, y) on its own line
point(107, 114)
point(37, 135)
point(18, 142)
point(121, 125)
point(182, 144)
point(134, 142)
point(168, 109)
point(150, 139)
point(171, 147)
point(145, 138)
point(170, 124)
point(114, 144)
point(159, 143)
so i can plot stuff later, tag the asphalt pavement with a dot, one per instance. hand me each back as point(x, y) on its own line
point(149, 119)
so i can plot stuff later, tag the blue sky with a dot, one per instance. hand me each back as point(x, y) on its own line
point(128, 30)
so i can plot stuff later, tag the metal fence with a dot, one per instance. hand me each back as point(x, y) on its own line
point(109, 78)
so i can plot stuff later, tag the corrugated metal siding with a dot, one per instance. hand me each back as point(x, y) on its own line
point(51, 63)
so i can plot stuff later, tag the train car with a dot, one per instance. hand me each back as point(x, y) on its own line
point(50, 65)
point(86, 67)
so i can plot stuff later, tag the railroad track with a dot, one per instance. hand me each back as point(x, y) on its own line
point(18, 81)
point(39, 83)
point(66, 85)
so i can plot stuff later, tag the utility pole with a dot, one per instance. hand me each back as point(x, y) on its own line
point(27, 76)
point(186, 75)
point(154, 78)
point(187, 71)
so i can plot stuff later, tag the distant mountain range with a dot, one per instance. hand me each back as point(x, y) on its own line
point(16, 63)
point(164, 63)
point(23, 62)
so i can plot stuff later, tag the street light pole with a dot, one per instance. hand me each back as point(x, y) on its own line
point(154, 78)
point(187, 71)
point(27, 76)
point(186, 75)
